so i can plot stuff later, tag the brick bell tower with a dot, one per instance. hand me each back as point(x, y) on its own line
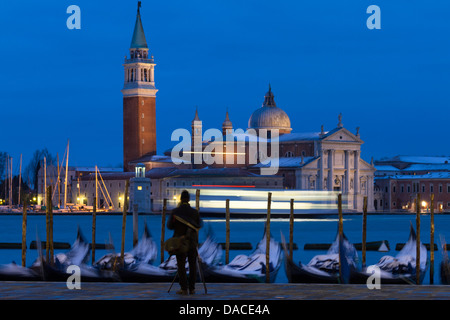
point(139, 94)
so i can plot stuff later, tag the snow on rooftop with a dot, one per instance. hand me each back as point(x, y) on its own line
point(431, 175)
point(421, 159)
point(285, 162)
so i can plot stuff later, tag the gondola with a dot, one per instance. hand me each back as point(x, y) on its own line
point(400, 269)
point(77, 255)
point(14, 272)
point(145, 251)
point(210, 252)
point(445, 264)
point(248, 269)
point(324, 268)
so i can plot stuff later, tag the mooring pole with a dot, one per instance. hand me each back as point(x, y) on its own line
point(269, 200)
point(51, 228)
point(163, 228)
point(197, 200)
point(340, 231)
point(227, 227)
point(432, 240)
point(94, 224)
point(135, 224)
point(124, 222)
point(291, 230)
point(364, 232)
point(47, 222)
point(24, 230)
point(418, 239)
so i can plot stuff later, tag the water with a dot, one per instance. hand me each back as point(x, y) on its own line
point(394, 228)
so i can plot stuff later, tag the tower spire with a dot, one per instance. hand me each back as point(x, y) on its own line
point(138, 40)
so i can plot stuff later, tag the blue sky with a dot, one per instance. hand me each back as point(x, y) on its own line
point(319, 56)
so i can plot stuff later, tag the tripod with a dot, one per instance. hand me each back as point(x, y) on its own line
point(199, 271)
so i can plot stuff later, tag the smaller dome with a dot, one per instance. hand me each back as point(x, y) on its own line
point(269, 116)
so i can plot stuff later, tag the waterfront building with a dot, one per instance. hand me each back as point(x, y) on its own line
point(48, 176)
point(140, 191)
point(400, 179)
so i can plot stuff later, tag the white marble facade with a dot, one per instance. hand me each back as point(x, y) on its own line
point(337, 166)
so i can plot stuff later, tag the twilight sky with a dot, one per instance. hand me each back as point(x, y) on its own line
point(319, 56)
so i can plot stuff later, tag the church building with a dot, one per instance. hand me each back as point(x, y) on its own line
point(323, 160)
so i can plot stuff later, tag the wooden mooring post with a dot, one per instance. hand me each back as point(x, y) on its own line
point(24, 231)
point(163, 228)
point(124, 222)
point(432, 240)
point(340, 232)
point(135, 224)
point(269, 200)
point(94, 224)
point(291, 230)
point(418, 239)
point(227, 231)
point(364, 232)
point(48, 209)
point(197, 200)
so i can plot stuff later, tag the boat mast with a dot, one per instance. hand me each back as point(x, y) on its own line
point(6, 176)
point(96, 189)
point(20, 177)
point(10, 183)
point(58, 182)
point(67, 171)
point(45, 180)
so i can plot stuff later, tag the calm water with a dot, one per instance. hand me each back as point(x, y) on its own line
point(393, 228)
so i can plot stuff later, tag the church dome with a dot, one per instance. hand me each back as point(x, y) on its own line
point(269, 116)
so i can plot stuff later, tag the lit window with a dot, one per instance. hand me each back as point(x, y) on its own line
point(139, 187)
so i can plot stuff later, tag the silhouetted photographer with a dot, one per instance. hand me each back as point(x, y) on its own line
point(185, 222)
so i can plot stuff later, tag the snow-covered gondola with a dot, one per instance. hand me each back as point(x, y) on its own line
point(400, 269)
point(77, 255)
point(210, 253)
point(445, 264)
point(145, 252)
point(324, 268)
point(14, 272)
point(248, 269)
point(445, 270)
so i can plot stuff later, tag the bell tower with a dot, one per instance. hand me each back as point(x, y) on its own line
point(139, 98)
